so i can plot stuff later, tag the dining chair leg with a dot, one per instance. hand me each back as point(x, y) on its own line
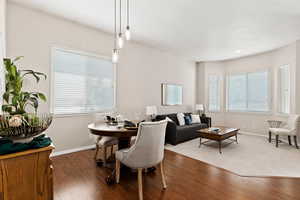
point(289, 138)
point(112, 150)
point(118, 171)
point(277, 140)
point(295, 140)
point(104, 155)
point(140, 182)
point(96, 152)
point(163, 178)
point(270, 136)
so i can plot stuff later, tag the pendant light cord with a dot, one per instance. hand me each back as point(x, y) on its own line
point(115, 21)
point(127, 12)
point(120, 16)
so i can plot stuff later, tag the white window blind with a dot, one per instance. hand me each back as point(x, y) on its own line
point(82, 83)
point(284, 89)
point(248, 92)
point(214, 102)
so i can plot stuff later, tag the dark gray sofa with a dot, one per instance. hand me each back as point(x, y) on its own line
point(176, 134)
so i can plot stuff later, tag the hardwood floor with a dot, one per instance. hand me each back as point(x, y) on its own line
point(76, 176)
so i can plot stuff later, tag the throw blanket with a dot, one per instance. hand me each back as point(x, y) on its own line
point(7, 146)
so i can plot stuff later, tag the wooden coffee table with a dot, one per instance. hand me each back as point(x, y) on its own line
point(223, 134)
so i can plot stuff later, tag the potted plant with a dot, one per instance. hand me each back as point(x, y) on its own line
point(16, 123)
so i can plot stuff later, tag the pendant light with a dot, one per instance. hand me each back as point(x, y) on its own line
point(120, 36)
point(115, 52)
point(127, 31)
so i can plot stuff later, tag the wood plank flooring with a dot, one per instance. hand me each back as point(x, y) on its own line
point(76, 177)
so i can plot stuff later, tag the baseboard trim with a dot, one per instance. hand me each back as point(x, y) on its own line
point(254, 134)
point(259, 135)
point(59, 153)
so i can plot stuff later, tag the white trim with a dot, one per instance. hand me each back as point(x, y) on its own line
point(254, 134)
point(59, 153)
point(53, 48)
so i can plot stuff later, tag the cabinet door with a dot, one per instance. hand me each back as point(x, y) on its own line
point(27, 177)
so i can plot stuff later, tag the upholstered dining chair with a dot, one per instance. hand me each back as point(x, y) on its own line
point(104, 143)
point(291, 129)
point(147, 151)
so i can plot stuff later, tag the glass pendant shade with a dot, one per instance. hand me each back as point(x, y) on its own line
point(115, 56)
point(127, 33)
point(120, 41)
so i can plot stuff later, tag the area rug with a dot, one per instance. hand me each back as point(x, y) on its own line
point(252, 156)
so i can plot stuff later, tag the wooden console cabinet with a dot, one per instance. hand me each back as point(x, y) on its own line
point(26, 175)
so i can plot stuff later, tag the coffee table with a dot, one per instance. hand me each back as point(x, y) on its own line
point(223, 134)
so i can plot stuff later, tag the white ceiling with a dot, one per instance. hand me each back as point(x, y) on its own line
point(201, 30)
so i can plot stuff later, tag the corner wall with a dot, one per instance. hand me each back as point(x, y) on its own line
point(255, 122)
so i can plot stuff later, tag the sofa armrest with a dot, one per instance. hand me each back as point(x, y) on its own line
point(206, 120)
point(171, 133)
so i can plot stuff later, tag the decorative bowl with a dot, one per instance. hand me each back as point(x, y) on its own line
point(25, 126)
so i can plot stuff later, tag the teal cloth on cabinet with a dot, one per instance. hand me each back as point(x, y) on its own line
point(7, 146)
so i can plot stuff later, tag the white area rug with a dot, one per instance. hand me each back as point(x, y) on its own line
point(252, 156)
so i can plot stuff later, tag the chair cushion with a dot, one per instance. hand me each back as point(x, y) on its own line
point(281, 131)
point(106, 140)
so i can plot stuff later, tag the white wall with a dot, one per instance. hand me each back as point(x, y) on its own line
point(140, 72)
point(253, 122)
point(3, 19)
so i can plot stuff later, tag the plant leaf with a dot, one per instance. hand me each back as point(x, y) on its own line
point(18, 58)
point(42, 96)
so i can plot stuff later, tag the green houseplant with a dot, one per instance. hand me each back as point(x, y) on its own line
point(16, 100)
point(16, 122)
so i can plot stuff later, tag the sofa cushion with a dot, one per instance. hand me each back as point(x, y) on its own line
point(180, 118)
point(187, 120)
point(192, 127)
point(195, 119)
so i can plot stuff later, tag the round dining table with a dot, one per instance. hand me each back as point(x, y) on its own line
point(123, 134)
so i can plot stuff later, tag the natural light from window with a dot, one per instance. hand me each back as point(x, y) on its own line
point(82, 83)
point(248, 92)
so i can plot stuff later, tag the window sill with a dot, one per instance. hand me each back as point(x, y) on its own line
point(71, 115)
point(250, 113)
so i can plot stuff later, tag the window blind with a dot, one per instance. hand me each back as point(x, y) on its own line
point(284, 89)
point(214, 93)
point(248, 92)
point(82, 83)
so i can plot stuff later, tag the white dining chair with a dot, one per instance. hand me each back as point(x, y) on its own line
point(104, 143)
point(146, 152)
point(291, 129)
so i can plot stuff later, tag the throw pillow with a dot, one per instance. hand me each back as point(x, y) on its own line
point(195, 119)
point(188, 120)
point(180, 117)
point(169, 120)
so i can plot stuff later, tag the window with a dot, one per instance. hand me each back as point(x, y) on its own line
point(248, 92)
point(284, 89)
point(82, 83)
point(214, 93)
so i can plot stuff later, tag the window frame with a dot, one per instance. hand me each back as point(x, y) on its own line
point(219, 76)
point(269, 92)
point(279, 99)
point(52, 81)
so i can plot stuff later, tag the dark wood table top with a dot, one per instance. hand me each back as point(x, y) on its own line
point(223, 133)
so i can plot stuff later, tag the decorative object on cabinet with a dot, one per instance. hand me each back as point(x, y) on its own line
point(17, 123)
